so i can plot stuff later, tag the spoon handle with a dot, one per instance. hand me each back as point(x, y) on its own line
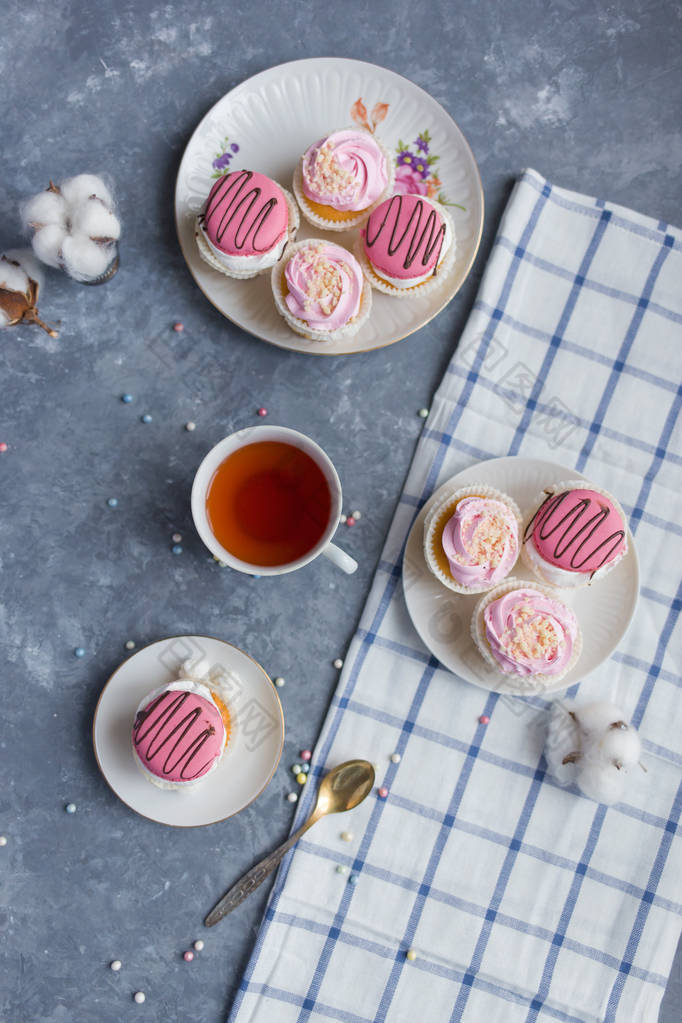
point(253, 878)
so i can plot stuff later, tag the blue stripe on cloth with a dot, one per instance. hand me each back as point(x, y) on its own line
point(348, 892)
point(559, 413)
point(661, 454)
point(629, 226)
point(556, 339)
point(397, 952)
point(593, 837)
point(658, 598)
point(513, 766)
point(323, 1009)
point(663, 754)
point(566, 914)
point(655, 668)
point(427, 966)
point(645, 905)
point(434, 858)
point(591, 354)
point(498, 893)
point(636, 662)
point(622, 358)
point(590, 285)
point(537, 853)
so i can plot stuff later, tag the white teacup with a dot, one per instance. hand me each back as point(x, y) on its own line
point(251, 435)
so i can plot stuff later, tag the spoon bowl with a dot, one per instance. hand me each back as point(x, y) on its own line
point(342, 789)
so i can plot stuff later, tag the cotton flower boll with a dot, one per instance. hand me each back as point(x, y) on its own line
point(602, 783)
point(27, 262)
point(563, 737)
point(19, 286)
point(45, 208)
point(594, 747)
point(12, 277)
point(83, 258)
point(47, 244)
point(595, 718)
point(76, 228)
point(92, 218)
point(83, 186)
point(620, 747)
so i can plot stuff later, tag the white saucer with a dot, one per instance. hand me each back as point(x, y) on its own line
point(442, 618)
point(271, 119)
point(252, 753)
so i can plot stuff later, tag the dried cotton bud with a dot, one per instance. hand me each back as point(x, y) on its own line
point(20, 281)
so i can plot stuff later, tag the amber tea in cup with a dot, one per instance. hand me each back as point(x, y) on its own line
point(267, 500)
point(268, 503)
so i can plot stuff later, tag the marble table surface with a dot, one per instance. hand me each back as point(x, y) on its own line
point(586, 93)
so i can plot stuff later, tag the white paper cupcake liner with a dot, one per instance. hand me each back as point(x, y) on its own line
point(551, 574)
point(434, 519)
point(209, 256)
point(325, 223)
point(519, 683)
point(417, 290)
point(300, 326)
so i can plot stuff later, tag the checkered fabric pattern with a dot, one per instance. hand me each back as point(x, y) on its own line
point(524, 901)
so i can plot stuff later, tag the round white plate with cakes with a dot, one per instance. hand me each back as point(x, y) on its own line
point(442, 618)
point(267, 122)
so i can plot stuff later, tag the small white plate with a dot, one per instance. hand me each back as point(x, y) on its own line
point(442, 618)
point(252, 753)
point(271, 119)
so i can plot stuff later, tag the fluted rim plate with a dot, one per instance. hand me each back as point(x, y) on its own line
point(272, 118)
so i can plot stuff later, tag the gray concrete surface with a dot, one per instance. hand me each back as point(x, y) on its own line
point(586, 92)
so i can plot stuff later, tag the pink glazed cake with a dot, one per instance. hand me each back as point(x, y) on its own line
point(246, 224)
point(180, 734)
point(577, 535)
point(407, 245)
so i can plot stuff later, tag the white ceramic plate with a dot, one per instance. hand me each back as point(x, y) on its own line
point(442, 618)
point(272, 118)
point(252, 753)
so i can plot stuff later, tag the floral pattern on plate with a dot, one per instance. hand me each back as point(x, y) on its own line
point(415, 165)
point(223, 158)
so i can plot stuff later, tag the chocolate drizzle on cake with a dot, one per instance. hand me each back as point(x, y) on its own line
point(415, 237)
point(165, 726)
point(575, 529)
point(235, 201)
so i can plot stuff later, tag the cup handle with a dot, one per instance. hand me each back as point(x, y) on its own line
point(340, 558)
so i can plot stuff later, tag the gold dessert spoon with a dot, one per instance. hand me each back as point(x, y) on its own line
point(342, 789)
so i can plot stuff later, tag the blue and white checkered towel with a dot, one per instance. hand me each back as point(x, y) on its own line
point(523, 901)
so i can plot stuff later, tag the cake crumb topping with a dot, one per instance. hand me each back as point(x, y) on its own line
point(530, 635)
point(327, 175)
point(325, 284)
